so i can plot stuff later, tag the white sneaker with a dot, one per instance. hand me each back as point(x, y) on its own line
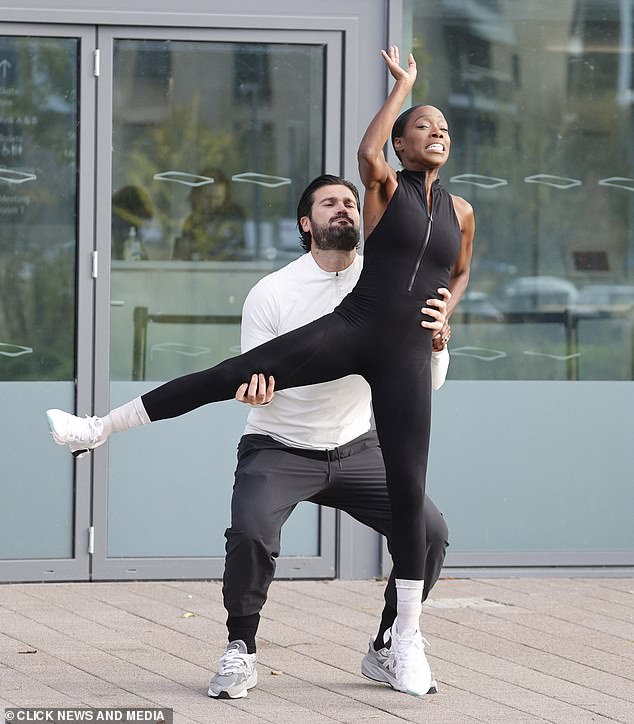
point(410, 665)
point(381, 666)
point(236, 675)
point(81, 434)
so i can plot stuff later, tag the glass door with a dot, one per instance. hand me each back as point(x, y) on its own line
point(45, 261)
point(209, 137)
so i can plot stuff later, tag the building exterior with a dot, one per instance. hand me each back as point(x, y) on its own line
point(123, 128)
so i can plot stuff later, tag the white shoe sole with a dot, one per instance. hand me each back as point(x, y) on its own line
point(234, 692)
point(374, 672)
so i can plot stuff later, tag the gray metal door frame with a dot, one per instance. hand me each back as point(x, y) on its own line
point(78, 567)
point(104, 567)
point(352, 550)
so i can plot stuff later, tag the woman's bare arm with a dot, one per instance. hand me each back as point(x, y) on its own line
point(377, 176)
point(461, 269)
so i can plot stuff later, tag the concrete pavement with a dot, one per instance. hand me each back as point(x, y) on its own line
point(503, 650)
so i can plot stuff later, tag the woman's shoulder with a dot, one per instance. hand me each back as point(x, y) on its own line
point(462, 207)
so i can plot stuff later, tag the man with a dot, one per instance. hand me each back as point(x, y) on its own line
point(313, 443)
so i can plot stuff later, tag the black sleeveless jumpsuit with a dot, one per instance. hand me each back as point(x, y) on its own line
point(374, 332)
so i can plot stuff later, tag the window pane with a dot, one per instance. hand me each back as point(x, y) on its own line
point(539, 100)
point(38, 207)
point(213, 143)
point(38, 236)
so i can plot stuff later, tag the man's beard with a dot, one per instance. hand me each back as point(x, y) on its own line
point(334, 237)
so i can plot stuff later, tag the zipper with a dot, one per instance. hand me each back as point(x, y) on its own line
point(421, 254)
point(332, 455)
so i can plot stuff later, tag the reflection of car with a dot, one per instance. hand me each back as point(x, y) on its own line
point(476, 305)
point(494, 265)
point(606, 295)
point(530, 294)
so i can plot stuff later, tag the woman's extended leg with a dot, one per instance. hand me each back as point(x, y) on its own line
point(318, 352)
point(310, 354)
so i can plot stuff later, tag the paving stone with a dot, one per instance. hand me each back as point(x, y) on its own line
point(514, 650)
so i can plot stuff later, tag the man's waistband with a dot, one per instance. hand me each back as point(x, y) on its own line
point(251, 443)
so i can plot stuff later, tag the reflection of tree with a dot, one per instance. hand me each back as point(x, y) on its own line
point(182, 142)
point(37, 297)
point(46, 81)
point(37, 238)
point(39, 128)
point(538, 95)
point(563, 119)
point(423, 65)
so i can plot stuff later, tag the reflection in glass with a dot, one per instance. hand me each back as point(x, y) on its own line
point(212, 144)
point(538, 95)
point(38, 238)
point(188, 111)
point(214, 229)
point(38, 171)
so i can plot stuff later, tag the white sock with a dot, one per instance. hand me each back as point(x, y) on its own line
point(132, 414)
point(409, 604)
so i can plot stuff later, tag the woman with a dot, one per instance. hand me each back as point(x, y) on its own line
point(418, 238)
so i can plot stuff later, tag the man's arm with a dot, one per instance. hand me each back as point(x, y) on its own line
point(259, 324)
point(439, 361)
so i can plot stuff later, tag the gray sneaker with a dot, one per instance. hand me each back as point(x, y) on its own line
point(236, 674)
point(381, 666)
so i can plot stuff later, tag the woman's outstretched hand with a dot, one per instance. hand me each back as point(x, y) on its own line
point(393, 62)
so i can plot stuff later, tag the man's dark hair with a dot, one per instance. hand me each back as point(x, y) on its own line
point(399, 126)
point(305, 205)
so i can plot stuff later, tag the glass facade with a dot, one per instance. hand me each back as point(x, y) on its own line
point(540, 102)
point(126, 252)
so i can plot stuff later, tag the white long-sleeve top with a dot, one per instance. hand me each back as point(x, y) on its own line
point(325, 415)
